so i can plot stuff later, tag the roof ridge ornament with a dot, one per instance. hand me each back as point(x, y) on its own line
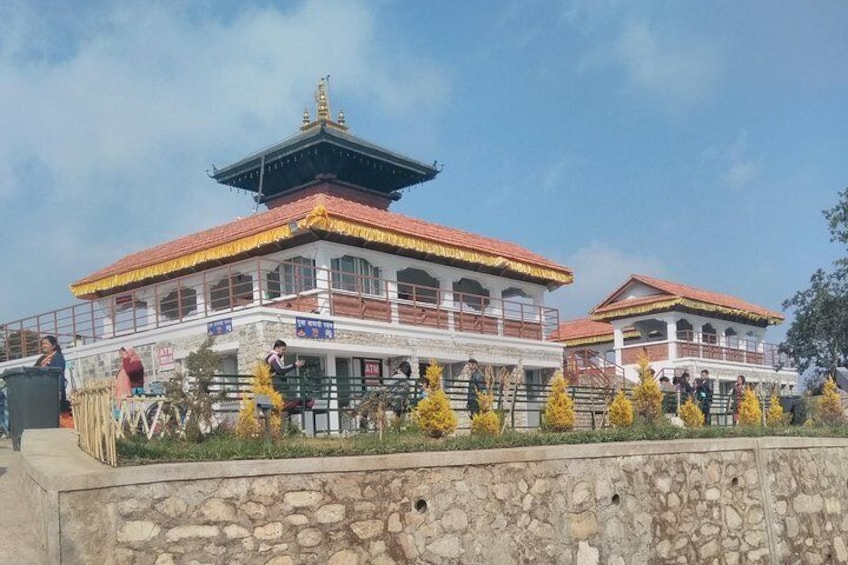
point(323, 114)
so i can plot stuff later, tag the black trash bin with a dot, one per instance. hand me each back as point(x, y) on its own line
point(32, 397)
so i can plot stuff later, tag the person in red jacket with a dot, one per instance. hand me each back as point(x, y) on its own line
point(133, 369)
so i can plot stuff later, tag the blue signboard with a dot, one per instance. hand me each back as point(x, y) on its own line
point(310, 328)
point(219, 327)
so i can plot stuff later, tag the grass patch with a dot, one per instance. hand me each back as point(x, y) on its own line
point(220, 447)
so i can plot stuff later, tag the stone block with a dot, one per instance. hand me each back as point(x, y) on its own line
point(367, 529)
point(271, 531)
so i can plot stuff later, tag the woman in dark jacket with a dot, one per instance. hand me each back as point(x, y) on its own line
point(52, 358)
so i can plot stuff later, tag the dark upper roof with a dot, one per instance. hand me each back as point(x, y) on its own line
point(324, 152)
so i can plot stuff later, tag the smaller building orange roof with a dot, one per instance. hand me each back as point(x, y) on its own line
point(670, 294)
point(582, 328)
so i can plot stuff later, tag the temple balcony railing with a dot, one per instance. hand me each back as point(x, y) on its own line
point(291, 286)
point(708, 346)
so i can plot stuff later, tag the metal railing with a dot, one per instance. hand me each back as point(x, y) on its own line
point(328, 404)
point(699, 345)
point(287, 285)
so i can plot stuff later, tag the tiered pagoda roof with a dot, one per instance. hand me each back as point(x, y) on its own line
point(323, 184)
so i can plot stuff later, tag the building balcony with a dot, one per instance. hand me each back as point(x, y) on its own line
point(705, 346)
point(287, 286)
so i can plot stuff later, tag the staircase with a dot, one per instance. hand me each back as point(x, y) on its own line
point(585, 367)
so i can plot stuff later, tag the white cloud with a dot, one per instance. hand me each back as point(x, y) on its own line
point(732, 163)
point(598, 270)
point(679, 73)
point(114, 125)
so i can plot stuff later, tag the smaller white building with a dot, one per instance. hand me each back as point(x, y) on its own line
point(680, 328)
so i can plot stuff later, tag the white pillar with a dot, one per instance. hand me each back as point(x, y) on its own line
point(323, 263)
point(392, 294)
point(447, 301)
point(671, 334)
point(618, 342)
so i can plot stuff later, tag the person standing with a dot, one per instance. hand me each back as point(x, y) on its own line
point(52, 357)
point(738, 394)
point(133, 377)
point(293, 403)
point(397, 387)
point(476, 384)
point(704, 395)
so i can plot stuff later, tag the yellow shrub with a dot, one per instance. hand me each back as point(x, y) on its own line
point(750, 413)
point(559, 410)
point(433, 414)
point(830, 411)
point(621, 411)
point(485, 422)
point(647, 395)
point(247, 426)
point(260, 384)
point(774, 416)
point(690, 414)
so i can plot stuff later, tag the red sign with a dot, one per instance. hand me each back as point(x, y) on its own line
point(372, 370)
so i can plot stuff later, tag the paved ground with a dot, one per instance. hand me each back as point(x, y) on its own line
point(18, 540)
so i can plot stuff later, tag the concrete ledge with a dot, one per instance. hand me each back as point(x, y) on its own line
point(53, 460)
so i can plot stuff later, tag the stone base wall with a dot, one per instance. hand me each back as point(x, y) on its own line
point(769, 500)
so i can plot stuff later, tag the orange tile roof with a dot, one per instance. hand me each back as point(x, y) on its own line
point(676, 292)
point(582, 328)
point(164, 256)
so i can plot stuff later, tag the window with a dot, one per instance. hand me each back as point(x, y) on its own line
point(178, 303)
point(730, 337)
point(708, 334)
point(355, 274)
point(417, 285)
point(293, 276)
point(684, 331)
point(232, 291)
point(468, 292)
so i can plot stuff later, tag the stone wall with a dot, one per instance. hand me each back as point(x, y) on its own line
point(769, 500)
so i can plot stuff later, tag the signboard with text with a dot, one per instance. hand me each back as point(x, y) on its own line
point(372, 371)
point(166, 358)
point(310, 328)
point(219, 327)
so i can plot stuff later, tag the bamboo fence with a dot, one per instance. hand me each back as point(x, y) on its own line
point(92, 405)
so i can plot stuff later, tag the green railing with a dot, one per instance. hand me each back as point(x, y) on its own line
point(328, 404)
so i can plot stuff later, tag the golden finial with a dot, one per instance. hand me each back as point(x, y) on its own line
point(323, 116)
point(322, 101)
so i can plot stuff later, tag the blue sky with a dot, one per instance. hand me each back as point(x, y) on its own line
point(697, 142)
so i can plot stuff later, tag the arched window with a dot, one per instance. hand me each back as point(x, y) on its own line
point(519, 305)
point(730, 338)
point(293, 276)
point(417, 285)
point(355, 274)
point(709, 334)
point(232, 291)
point(468, 292)
point(178, 303)
point(685, 331)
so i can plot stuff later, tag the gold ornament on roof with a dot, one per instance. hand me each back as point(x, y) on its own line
point(321, 100)
point(323, 115)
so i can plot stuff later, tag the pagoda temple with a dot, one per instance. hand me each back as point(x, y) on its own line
point(352, 287)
